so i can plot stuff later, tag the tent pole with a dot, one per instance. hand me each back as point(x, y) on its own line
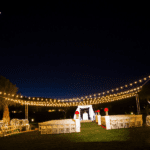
point(138, 104)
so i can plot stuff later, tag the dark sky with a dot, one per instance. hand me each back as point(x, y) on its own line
point(66, 49)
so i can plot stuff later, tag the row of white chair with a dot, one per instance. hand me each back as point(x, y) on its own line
point(57, 128)
point(148, 120)
point(122, 121)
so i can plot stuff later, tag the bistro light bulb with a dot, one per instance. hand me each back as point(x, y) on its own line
point(91, 99)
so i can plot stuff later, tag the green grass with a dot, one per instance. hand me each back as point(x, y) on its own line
point(91, 137)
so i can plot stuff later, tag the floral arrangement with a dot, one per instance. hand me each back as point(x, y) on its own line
point(76, 112)
point(106, 109)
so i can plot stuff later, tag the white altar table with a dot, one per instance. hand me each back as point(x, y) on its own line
point(85, 116)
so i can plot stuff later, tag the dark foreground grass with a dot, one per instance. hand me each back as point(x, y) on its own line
point(91, 137)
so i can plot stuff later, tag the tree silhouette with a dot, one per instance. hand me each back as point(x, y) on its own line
point(6, 87)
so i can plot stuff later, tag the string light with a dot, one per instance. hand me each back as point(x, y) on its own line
point(92, 100)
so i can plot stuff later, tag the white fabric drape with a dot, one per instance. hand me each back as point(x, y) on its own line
point(91, 112)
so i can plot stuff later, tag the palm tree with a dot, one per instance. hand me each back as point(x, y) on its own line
point(6, 87)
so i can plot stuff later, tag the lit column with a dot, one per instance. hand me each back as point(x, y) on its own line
point(107, 120)
point(106, 111)
point(99, 117)
point(77, 120)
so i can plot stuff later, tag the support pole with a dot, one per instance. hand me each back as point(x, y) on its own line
point(26, 111)
point(138, 104)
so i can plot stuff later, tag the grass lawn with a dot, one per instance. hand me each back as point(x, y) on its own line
point(91, 137)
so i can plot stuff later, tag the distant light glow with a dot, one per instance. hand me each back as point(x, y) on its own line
point(14, 112)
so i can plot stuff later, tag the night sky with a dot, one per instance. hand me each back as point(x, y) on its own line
point(66, 49)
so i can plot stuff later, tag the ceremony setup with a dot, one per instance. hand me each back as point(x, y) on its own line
point(84, 112)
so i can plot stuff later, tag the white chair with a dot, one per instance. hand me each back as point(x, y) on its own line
point(43, 129)
point(55, 129)
point(61, 128)
point(126, 122)
point(120, 122)
point(132, 122)
point(103, 121)
point(73, 128)
point(49, 129)
point(148, 120)
point(138, 122)
point(67, 128)
point(114, 123)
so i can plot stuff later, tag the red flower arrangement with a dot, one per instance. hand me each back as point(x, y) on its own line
point(95, 110)
point(106, 109)
point(98, 110)
point(76, 112)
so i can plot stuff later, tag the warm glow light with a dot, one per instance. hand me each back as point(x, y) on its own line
point(14, 112)
point(90, 99)
point(32, 119)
